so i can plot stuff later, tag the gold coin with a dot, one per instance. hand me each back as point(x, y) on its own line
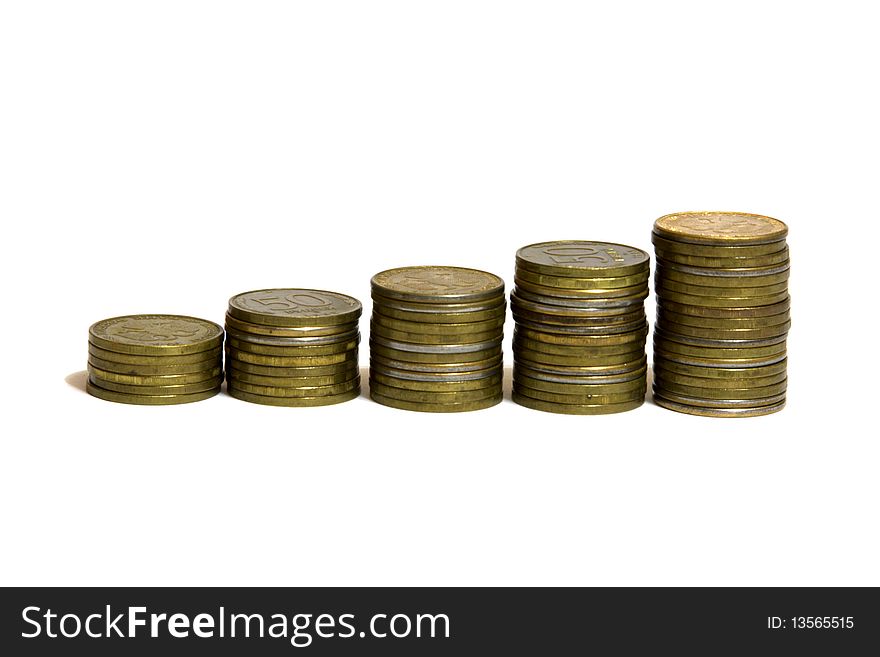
point(582, 259)
point(148, 400)
point(438, 306)
point(616, 340)
point(294, 307)
point(612, 369)
point(734, 381)
point(206, 358)
point(491, 382)
point(463, 328)
point(432, 396)
point(672, 347)
point(570, 307)
point(543, 358)
point(377, 330)
point(581, 330)
point(437, 284)
point(616, 305)
point(302, 402)
point(460, 407)
point(582, 398)
point(719, 371)
point(708, 280)
point(719, 412)
point(666, 296)
point(239, 366)
point(575, 409)
point(281, 361)
point(201, 386)
point(436, 377)
point(293, 382)
point(718, 403)
point(725, 313)
point(631, 293)
point(97, 373)
point(583, 283)
point(438, 368)
point(573, 349)
point(156, 335)
point(735, 262)
point(587, 389)
point(308, 392)
point(676, 248)
point(520, 369)
point(276, 341)
point(663, 285)
point(233, 324)
point(720, 228)
point(438, 358)
point(726, 394)
point(766, 332)
point(725, 323)
point(455, 318)
point(154, 370)
point(730, 362)
point(627, 320)
point(292, 351)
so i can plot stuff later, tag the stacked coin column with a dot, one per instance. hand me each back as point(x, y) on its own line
point(435, 339)
point(292, 347)
point(579, 337)
point(155, 359)
point(722, 313)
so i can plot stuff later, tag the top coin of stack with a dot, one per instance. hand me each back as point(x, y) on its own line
point(579, 340)
point(292, 347)
point(723, 313)
point(155, 359)
point(435, 339)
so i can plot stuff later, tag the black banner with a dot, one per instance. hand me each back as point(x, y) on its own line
point(445, 621)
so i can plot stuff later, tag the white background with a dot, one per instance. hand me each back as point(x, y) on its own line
point(163, 156)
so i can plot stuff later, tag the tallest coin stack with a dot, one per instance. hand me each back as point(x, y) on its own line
point(722, 313)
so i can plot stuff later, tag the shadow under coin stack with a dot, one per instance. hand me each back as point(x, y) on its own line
point(579, 337)
point(155, 359)
point(435, 339)
point(293, 347)
point(722, 313)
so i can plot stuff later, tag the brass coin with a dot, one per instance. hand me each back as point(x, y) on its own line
point(629, 319)
point(148, 400)
point(201, 386)
point(584, 389)
point(274, 371)
point(725, 282)
point(437, 368)
point(718, 403)
point(722, 263)
point(464, 328)
point(292, 382)
point(292, 351)
point(437, 284)
point(575, 361)
point(664, 285)
point(718, 343)
point(277, 341)
point(672, 347)
point(577, 316)
point(666, 376)
point(424, 407)
point(622, 304)
point(294, 307)
point(566, 282)
point(724, 323)
point(719, 412)
point(711, 273)
point(464, 358)
point(581, 330)
point(618, 340)
point(437, 306)
point(433, 397)
point(435, 386)
point(282, 361)
point(154, 370)
point(726, 394)
point(439, 349)
point(519, 369)
point(744, 362)
point(412, 337)
point(724, 334)
point(156, 335)
point(723, 228)
point(576, 370)
point(437, 377)
point(300, 402)
point(676, 248)
point(575, 409)
point(579, 350)
point(583, 398)
point(725, 313)
point(573, 308)
point(665, 296)
point(97, 373)
point(582, 259)
point(631, 293)
point(233, 324)
point(308, 392)
point(499, 312)
point(205, 358)
point(720, 371)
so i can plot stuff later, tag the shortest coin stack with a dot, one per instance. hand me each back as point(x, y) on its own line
point(723, 313)
point(155, 359)
point(293, 347)
point(435, 339)
point(579, 339)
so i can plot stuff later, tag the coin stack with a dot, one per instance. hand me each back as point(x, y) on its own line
point(155, 359)
point(435, 339)
point(579, 339)
point(293, 347)
point(722, 313)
